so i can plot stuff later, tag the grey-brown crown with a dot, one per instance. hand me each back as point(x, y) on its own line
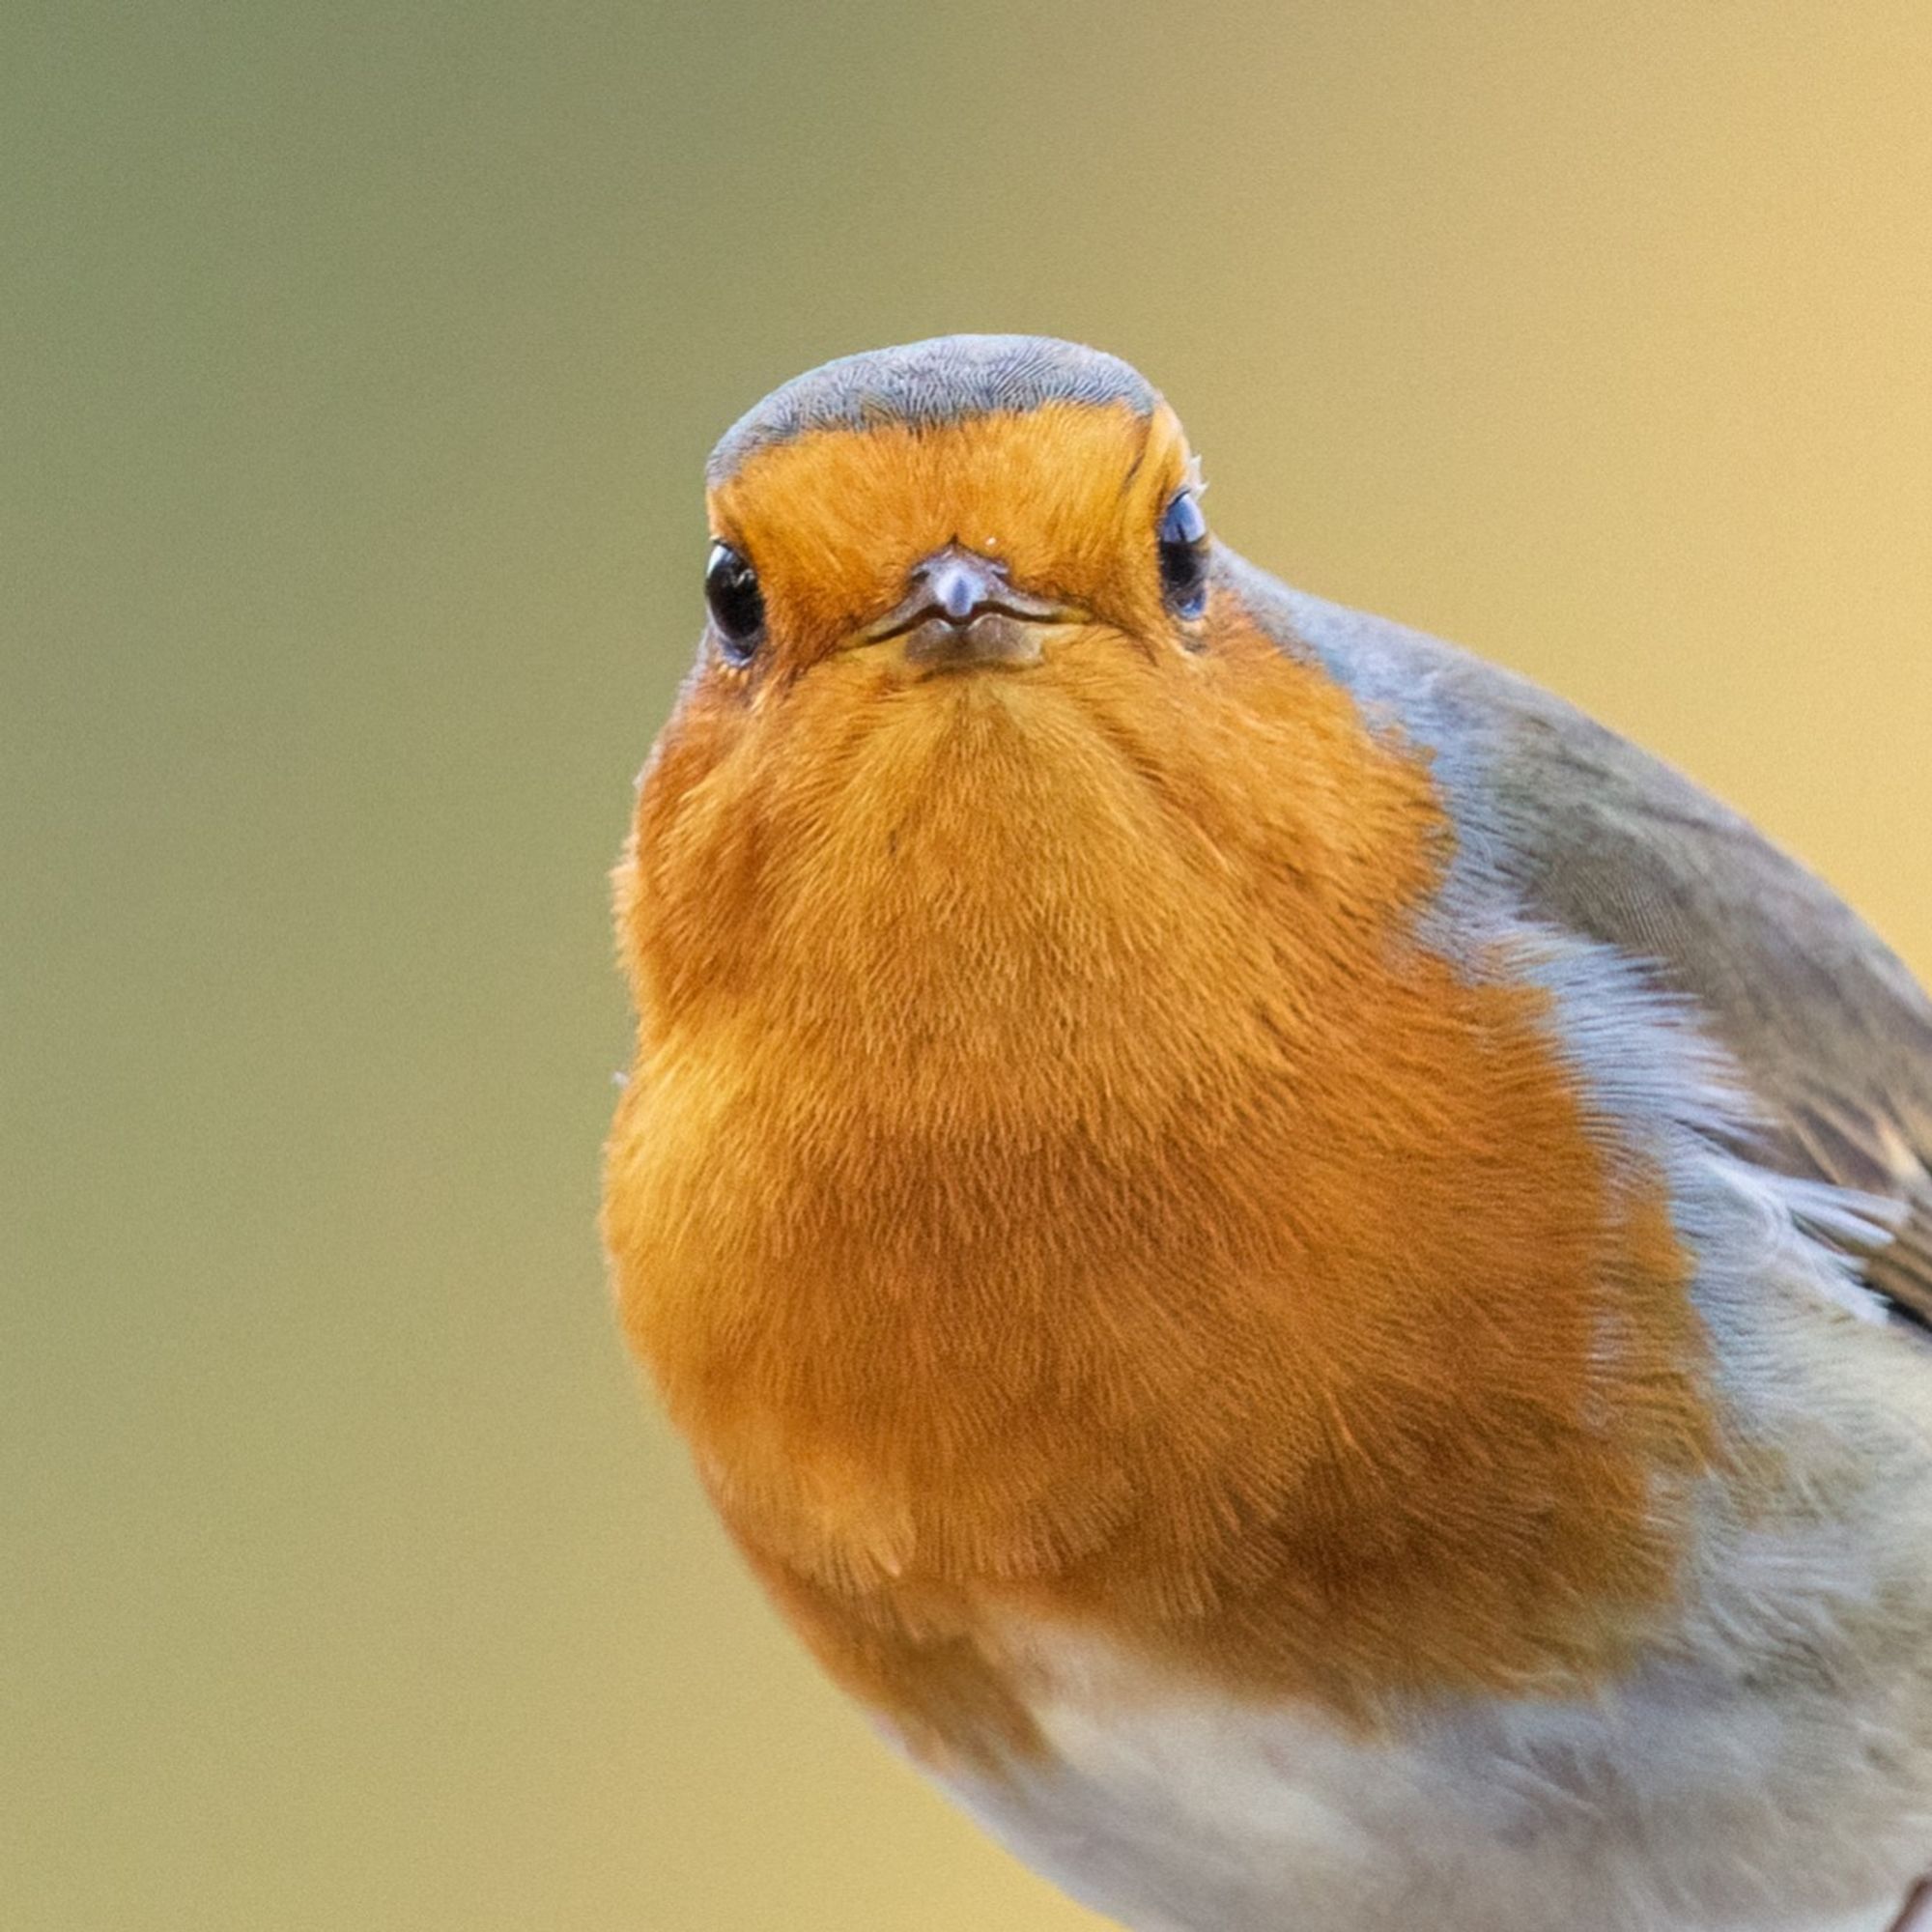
point(927, 384)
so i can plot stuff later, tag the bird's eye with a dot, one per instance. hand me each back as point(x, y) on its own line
point(737, 603)
point(1183, 555)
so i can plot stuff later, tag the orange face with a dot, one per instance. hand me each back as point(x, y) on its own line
point(1056, 1182)
point(1063, 499)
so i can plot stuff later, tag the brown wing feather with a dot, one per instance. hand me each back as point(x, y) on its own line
point(1902, 1271)
point(1828, 1026)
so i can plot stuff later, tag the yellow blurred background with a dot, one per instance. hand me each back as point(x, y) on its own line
point(360, 361)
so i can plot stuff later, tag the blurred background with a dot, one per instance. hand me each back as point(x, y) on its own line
point(359, 364)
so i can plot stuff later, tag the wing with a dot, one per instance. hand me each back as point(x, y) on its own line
point(1829, 1026)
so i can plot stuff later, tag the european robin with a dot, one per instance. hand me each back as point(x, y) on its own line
point(1305, 1272)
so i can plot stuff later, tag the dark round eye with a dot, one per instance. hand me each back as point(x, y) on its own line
point(737, 603)
point(1183, 555)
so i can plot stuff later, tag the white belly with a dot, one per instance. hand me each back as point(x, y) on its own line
point(1660, 1808)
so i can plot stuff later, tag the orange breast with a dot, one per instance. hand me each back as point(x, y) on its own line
point(1057, 1181)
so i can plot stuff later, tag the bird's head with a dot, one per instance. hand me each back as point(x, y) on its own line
point(968, 504)
point(983, 762)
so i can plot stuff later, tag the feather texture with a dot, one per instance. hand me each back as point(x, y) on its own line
point(1830, 1032)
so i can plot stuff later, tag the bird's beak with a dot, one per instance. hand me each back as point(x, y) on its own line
point(960, 609)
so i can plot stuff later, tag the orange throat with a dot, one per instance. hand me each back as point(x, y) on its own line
point(1057, 1184)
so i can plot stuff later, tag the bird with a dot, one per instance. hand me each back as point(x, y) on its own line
point(1308, 1274)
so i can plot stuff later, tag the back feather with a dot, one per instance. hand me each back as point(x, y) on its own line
point(1828, 1026)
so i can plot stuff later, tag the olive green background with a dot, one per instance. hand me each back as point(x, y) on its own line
point(359, 363)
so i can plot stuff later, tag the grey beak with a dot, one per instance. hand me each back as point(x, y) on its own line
point(958, 583)
point(958, 589)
